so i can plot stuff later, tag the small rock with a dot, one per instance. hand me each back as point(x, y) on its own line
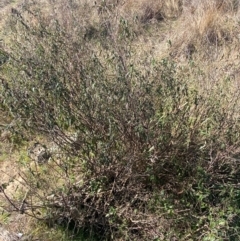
point(19, 235)
point(39, 153)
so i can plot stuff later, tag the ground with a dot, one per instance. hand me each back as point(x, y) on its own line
point(13, 224)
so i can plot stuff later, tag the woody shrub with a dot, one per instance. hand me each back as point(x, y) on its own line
point(141, 132)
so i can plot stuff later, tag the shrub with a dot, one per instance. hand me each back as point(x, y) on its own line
point(139, 143)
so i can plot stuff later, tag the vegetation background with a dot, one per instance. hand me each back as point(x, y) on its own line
point(137, 106)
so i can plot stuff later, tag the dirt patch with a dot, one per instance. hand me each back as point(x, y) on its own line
point(13, 224)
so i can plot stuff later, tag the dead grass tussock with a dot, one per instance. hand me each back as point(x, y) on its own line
point(149, 10)
point(207, 34)
point(202, 27)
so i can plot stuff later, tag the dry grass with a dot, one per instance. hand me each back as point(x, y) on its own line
point(5, 9)
point(152, 10)
point(206, 32)
point(204, 27)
